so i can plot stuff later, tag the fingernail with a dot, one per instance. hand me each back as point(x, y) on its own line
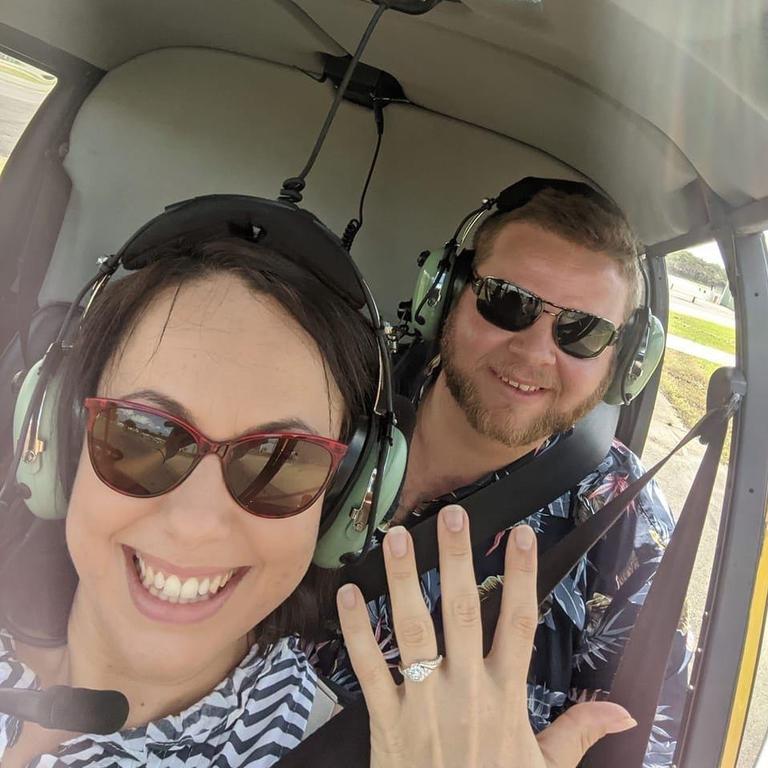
point(524, 537)
point(623, 724)
point(347, 596)
point(453, 517)
point(397, 541)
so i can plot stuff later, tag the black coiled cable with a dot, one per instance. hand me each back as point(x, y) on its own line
point(294, 186)
point(355, 225)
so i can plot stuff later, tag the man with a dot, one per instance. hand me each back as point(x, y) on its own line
point(492, 396)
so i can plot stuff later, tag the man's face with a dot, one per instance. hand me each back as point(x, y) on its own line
point(484, 365)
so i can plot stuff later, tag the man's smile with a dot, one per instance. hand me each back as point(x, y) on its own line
point(520, 385)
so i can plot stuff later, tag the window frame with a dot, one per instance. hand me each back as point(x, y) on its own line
point(724, 669)
point(44, 138)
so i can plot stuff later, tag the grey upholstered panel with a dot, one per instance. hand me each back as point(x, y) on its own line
point(183, 122)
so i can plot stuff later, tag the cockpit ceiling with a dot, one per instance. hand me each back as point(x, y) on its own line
point(642, 96)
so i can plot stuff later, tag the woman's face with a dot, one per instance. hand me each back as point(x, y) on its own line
point(233, 361)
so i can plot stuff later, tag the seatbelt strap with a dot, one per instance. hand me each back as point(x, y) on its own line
point(323, 706)
point(345, 739)
point(651, 640)
point(561, 558)
point(530, 485)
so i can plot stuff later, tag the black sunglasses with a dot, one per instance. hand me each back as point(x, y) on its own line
point(512, 308)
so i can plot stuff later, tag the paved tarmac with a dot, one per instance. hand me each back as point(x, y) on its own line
point(699, 350)
point(704, 310)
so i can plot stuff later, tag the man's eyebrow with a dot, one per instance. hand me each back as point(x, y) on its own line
point(175, 408)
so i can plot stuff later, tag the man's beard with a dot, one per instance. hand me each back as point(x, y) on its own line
point(501, 426)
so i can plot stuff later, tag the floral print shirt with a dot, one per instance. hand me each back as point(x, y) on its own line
point(586, 621)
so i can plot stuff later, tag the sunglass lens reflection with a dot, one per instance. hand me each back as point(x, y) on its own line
point(507, 306)
point(139, 453)
point(583, 335)
point(145, 454)
point(276, 477)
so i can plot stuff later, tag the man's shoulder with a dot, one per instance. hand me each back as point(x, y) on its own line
point(620, 461)
point(621, 467)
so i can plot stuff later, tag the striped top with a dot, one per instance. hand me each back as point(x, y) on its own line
point(253, 717)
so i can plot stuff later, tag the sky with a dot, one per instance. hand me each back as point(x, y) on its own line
point(708, 251)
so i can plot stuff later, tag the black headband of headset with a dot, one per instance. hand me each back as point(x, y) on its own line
point(522, 192)
point(282, 227)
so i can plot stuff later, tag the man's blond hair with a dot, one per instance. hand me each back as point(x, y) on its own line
point(580, 220)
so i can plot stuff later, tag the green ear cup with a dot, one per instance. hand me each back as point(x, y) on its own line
point(441, 280)
point(38, 470)
point(347, 532)
point(429, 294)
point(641, 371)
point(633, 374)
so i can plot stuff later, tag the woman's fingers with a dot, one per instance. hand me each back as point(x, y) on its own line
point(461, 603)
point(564, 743)
point(414, 629)
point(513, 641)
point(370, 667)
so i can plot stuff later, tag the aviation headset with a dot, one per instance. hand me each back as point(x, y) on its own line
point(371, 474)
point(445, 272)
point(369, 479)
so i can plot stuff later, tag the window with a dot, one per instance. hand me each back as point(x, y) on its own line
point(23, 89)
point(701, 337)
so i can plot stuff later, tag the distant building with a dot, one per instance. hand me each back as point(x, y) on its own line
point(692, 291)
point(726, 298)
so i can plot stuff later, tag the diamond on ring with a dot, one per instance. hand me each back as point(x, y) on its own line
point(419, 671)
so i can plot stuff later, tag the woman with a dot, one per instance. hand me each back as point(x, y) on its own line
point(193, 581)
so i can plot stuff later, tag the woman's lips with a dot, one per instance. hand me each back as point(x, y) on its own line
point(159, 609)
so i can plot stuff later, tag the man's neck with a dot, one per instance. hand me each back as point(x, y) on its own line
point(446, 451)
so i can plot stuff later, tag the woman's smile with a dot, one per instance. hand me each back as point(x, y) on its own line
point(179, 595)
point(190, 530)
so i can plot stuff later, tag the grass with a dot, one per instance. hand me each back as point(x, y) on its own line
point(702, 331)
point(684, 381)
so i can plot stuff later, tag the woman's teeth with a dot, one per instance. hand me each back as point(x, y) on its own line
point(517, 385)
point(173, 588)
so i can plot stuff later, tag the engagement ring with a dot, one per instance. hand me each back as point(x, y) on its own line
point(420, 670)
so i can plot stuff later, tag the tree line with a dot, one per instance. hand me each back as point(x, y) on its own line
point(685, 264)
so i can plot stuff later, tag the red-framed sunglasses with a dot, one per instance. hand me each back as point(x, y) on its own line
point(141, 451)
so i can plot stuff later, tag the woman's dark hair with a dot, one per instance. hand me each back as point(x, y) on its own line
point(343, 336)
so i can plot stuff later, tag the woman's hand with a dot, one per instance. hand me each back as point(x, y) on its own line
point(470, 712)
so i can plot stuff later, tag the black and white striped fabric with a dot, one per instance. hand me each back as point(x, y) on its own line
point(252, 718)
